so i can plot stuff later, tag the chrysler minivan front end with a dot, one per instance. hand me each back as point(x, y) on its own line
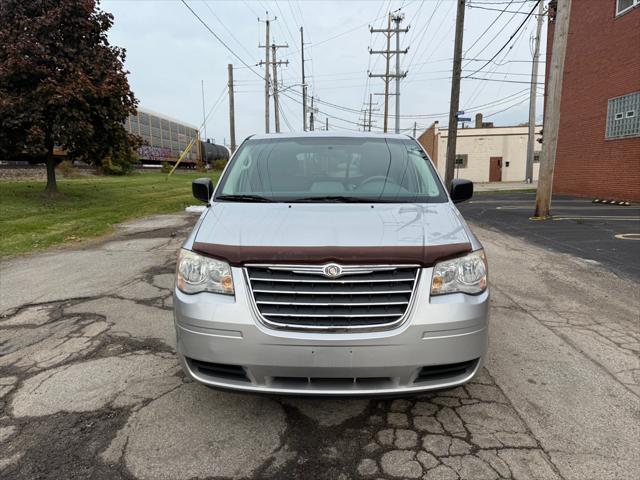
point(330, 264)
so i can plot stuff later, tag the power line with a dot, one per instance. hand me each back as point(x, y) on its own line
point(226, 28)
point(510, 38)
point(488, 27)
point(417, 116)
point(220, 40)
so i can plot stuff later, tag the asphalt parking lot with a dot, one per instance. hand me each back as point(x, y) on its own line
point(608, 234)
point(90, 387)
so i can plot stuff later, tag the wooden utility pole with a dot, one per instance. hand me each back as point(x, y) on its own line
point(415, 126)
point(304, 84)
point(311, 116)
point(204, 117)
point(275, 63)
point(397, 19)
point(388, 76)
point(367, 122)
point(276, 107)
point(370, 109)
point(267, 47)
point(532, 98)
point(326, 124)
point(232, 114)
point(552, 111)
point(455, 97)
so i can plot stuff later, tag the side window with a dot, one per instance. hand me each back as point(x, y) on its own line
point(623, 116)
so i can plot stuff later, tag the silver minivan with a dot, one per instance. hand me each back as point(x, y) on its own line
point(331, 264)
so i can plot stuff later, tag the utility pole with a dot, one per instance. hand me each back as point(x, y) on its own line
point(311, 115)
point(266, 46)
point(204, 117)
point(532, 98)
point(232, 114)
point(326, 124)
point(275, 63)
point(455, 97)
point(388, 76)
point(397, 19)
point(552, 110)
point(304, 84)
point(415, 126)
point(367, 122)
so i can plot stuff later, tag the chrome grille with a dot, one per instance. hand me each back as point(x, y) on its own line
point(303, 297)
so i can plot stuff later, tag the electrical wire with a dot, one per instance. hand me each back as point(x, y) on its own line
point(510, 38)
point(487, 29)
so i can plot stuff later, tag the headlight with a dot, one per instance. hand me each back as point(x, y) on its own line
point(195, 274)
point(466, 274)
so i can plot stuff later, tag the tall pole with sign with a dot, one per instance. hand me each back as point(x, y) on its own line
point(455, 97)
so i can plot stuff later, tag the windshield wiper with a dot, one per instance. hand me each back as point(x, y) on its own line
point(243, 198)
point(338, 198)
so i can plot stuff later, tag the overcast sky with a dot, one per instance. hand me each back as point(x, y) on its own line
point(169, 54)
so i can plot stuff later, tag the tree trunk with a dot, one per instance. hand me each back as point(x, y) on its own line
point(52, 187)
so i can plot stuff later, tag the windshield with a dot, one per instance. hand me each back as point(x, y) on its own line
point(331, 169)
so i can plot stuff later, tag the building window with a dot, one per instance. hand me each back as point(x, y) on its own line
point(624, 5)
point(622, 117)
point(461, 161)
point(536, 157)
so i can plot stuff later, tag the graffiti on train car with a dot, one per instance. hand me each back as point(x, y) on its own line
point(156, 154)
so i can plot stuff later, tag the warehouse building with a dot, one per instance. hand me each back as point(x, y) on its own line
point(484, 153)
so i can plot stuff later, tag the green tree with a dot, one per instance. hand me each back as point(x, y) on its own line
point(61, 83)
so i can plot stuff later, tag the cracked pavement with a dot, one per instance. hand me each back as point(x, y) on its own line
point(90, 386)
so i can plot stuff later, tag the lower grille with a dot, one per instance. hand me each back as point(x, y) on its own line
point(219, 370)
point(301, 297)
point(442, 372)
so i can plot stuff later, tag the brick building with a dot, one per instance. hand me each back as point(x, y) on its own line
point(598, 151)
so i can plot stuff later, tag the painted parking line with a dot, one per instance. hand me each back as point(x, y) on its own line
point(628, 236)
point(600, 217)
point(585, 207)
point(526, 201)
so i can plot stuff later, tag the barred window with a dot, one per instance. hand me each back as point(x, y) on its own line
point(623, 116)
point(624, 5)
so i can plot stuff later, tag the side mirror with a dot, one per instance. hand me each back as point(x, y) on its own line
point(202, 189)
point(461, 190)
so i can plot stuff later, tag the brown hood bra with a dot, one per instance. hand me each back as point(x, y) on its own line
point(425, 256)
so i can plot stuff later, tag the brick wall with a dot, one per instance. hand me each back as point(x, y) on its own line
point(602, 62)
point(428, 140)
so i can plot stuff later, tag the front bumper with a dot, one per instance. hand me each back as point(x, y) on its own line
point(221, 343)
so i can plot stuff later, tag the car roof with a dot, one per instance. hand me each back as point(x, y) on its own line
point(328, 134)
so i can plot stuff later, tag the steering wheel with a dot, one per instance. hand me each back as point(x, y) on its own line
point(374, 179)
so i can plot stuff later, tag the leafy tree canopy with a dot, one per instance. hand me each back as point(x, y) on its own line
point(61, 83)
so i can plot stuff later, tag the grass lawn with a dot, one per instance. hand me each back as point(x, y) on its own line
point(89, 207)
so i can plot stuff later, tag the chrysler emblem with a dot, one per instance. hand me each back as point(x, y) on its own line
point(332, 270)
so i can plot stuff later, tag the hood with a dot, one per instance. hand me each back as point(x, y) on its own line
point(350, 233)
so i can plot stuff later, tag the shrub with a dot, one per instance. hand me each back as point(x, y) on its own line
point(219, 164)
point(122, 161)
point(166, 167)
point(68, 169)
